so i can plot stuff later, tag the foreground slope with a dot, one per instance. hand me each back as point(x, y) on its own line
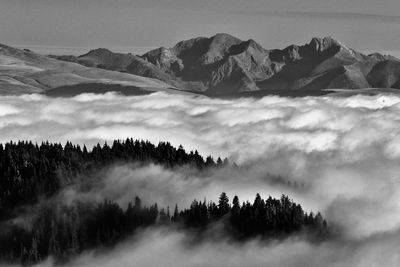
point(23, 71)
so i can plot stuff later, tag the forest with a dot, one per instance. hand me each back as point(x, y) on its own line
point(32, 172)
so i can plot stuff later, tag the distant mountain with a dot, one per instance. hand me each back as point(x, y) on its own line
point(224, 64)
point(218, 66)
point(105, 59)
point(23, 71)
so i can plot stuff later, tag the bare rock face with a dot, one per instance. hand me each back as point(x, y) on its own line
point(319, 45)
point(165, 59)
point(221, 63)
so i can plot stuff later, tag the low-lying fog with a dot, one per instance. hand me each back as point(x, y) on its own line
point(339, 156)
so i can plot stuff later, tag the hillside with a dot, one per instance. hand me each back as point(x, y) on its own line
point(23, 71)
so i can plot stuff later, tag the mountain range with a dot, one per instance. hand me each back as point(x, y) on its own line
point(221, 65)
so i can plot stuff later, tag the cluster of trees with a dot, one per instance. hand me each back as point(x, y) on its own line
point(64, 230)
point(268, 218)
point(29, 171)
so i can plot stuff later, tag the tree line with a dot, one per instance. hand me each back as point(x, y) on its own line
point(29, 171)
point(63, 230)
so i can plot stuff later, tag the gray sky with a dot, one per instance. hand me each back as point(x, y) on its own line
point(366, 25)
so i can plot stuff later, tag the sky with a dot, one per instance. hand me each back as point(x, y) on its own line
point(366, 25)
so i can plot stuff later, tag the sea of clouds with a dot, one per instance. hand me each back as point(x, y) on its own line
point(336, 155)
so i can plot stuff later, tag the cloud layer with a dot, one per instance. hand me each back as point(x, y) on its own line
point(336, 155)
point(160, 247)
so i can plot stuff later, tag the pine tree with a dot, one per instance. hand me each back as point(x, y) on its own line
point(223, 204)
point(235, 211)
point(176, 213)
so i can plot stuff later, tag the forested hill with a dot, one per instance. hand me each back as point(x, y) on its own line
point(32, 172)
point(63, 230)
point(29, 171)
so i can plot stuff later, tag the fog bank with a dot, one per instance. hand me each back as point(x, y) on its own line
point(335, 155)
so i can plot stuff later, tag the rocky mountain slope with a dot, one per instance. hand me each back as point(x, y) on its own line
point(223, 64)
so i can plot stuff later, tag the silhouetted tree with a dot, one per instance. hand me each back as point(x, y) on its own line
point(223, 204)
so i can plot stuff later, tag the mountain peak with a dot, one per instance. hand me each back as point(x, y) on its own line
point(319, 44)
point(224, 37)
point(254, 44)
point(98, 52)
point(221, 41)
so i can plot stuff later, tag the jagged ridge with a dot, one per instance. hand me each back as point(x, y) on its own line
point(224, 64)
